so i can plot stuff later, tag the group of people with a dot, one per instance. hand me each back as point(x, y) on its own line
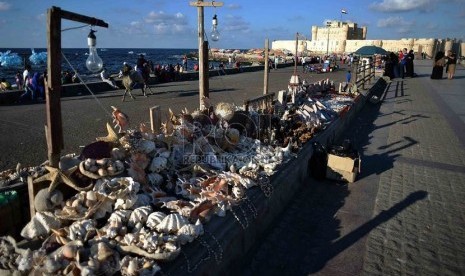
point(33, 84)
point(441, 61)
point(399, 65)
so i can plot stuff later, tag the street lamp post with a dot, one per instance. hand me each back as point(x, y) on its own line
point(203, 48)
point(328, 25)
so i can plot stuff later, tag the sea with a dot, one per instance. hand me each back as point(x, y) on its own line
point(113, 59)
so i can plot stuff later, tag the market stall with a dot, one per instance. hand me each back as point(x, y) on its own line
point(191, 199)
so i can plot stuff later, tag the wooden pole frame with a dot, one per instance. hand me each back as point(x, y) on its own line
point(203, 49)
point(54, 129)
point(267, 68)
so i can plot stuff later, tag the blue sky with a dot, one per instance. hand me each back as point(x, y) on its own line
point(242, 23)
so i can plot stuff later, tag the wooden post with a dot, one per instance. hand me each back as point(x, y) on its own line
point(363, 74)
point(203, 71)
point(295, 57)
point(206, 72)
point(201, 34)
point(155, 119)
point(267, 69)
point(54, 132)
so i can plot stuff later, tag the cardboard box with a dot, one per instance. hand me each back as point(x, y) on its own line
point(343, 168)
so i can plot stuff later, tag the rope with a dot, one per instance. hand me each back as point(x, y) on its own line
point(90, 91)
point(73, 28)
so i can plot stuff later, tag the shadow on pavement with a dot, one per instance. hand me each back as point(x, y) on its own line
point(332, 250)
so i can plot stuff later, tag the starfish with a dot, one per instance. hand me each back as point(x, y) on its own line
point(112, 136)
point(56, 176)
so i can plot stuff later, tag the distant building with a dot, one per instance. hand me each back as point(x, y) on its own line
point(346, 37)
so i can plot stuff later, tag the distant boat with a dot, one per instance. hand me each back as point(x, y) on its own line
point(131, 52)
point(103, 50)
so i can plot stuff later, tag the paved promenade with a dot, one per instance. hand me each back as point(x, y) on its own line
point(406, 213)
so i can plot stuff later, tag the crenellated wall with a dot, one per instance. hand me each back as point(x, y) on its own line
point(346, 37)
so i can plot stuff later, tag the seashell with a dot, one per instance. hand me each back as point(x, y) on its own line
point(189, 232)
point(104, 162)
point(146, 146)
point(118, 154)
point(131, 266)
point(119, 165)
point(46, 200)
point(130, 238)
point(158, 164)
point(89, 162)
point(238, 191)
point(102, 172)
point(172, 223)
point(91, 195)
point(155, 179)
point(120, 215)
point(82, 230)
point(68, 161)
point(89, 171)
point(139, 215)
point(224, 110)
point(126, 203)
point(154, 219)
point(40, 225)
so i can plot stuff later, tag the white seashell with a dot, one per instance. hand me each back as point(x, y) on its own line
point(172, 223)
point(238, 191)
point(120, 215)
point(102, 162)
point(89, 162)
point(154, 219)
point(130, 238)
point(82, 230)
point(126, 203)
point(189, 232)
point(102, 172)
point(40, 225)
point(139, 215)
point(47, 201)
point(158, 164)
point(91, 195)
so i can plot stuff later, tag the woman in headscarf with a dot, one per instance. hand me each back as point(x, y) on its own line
point(438, 66)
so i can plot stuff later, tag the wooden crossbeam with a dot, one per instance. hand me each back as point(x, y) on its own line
point(206, 4)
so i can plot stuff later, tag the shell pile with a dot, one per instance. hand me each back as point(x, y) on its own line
point(152, 194)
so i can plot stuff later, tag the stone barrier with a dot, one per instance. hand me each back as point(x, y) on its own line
point(223, 248)
point(78, 89)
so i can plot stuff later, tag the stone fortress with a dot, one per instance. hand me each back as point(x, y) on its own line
point(339, 37)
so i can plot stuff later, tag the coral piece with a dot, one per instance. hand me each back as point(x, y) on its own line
point(120, 119)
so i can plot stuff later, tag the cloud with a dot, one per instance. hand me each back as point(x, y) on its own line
point(234, 6)
point(163, 23)
point(236, 24)
point(396, 23)
point(402, 5)
point(4, 6)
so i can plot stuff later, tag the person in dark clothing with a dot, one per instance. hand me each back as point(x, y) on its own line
point(438, 65)
point(409, 64)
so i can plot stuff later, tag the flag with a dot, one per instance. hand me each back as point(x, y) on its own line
point(344, 11)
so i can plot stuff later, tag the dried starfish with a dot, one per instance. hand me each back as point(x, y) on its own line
point(112, 136)
point(56, 176)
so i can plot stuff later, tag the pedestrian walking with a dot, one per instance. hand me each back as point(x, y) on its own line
point(451, 64)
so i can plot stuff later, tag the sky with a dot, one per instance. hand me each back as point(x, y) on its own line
point(243, 24)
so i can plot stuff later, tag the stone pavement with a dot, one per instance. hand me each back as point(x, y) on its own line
point(405, 215)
